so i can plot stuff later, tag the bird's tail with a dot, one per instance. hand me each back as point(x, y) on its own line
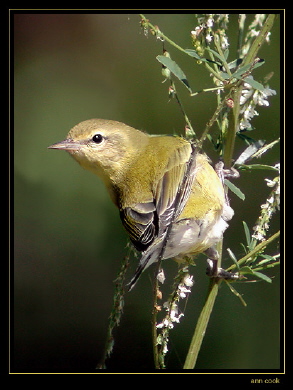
point(144, 263)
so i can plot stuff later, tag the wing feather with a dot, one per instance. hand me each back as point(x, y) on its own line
point(170, 196)
point(146, 221)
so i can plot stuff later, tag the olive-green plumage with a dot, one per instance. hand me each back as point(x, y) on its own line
point(171, 200)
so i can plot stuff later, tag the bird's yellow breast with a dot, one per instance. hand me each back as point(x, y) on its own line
point(160, 154)
point(207, 193)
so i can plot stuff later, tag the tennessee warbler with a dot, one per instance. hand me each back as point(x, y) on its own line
point(171, 200)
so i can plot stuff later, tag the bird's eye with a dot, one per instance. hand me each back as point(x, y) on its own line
point(97, 138)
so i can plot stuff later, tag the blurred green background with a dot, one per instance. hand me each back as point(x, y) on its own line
point(68, 237)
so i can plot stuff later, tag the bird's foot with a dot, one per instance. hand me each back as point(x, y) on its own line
point(214, 272)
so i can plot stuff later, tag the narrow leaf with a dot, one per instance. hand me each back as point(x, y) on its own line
point(225, 75)
point(248, 153)
point(262, 276)
point(233, 257)
point(194, 54)
point(235, 189)
point(239, 72)
point(175, 69)
point(216, 54)
point(235, 292)
point(257, 166)
point(246, 270)
point(266, 259)
point(247, 234)
point(265, 148)
point(255, 84)
point(234, 64)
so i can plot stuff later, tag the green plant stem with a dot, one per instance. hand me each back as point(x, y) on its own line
point(204, 317)
point(206, 90)
point(187, 121)
point(213, 118)
point(259, 40)
point(241, 22)
point(232, 127)
point(160, 34)
point(255, 251)
point(201, 326)
point(249, 58)
point(220, 51)
point(234, 93)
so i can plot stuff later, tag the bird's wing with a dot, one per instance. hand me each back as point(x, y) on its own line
point(173, 189)
point(141, 223)
point(150, 223)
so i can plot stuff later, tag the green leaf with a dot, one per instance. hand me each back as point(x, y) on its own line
point(233, 257)
point(262, 276)
point(265, 148)
point(235, 63)
point(216, 54)
point(246, 270)
point(240, 71)
point(175, 69)
point(266, 259)
point(256, 166)
point(194, 54)
point(249, 152)
point(235, 292)
point(244, 247)
point(231, 254)
point(234, 189)
point(255, 84)
point(250, 271)
point(247, 234)
point(225, 75)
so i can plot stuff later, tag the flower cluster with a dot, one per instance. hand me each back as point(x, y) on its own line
point(253, 31)
point(249, 99)
point(269, 208)
point(173, 315)
point(203, 34)
point(171, 306)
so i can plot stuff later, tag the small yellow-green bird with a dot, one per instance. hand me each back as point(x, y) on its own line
point(171, 200)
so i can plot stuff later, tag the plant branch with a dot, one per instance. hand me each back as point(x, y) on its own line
point(234, 86)
point(232, 128)
point(145, 22)
point(201, 325)
point(259, 40)
point(255, 251)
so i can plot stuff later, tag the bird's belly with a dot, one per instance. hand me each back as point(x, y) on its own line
point(190, 237)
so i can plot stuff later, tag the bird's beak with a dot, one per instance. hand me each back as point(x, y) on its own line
point(67, 144)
